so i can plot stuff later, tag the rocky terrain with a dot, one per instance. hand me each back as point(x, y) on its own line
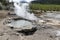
point(48, 28)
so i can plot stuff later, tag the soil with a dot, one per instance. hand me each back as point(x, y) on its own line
point(44, 31)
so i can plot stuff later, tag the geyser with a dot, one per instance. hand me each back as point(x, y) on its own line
point(27, 19)
point(22, 9)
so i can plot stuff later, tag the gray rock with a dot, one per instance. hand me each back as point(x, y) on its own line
point(21, 24)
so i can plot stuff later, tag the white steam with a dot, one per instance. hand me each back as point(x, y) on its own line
point(21, 9)
point(20, 0)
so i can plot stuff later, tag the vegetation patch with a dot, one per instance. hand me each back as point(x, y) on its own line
point(46, 7)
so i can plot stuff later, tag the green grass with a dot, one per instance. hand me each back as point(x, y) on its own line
point(49, 7)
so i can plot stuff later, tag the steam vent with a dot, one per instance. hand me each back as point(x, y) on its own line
point(24, 20)
point(21, 26)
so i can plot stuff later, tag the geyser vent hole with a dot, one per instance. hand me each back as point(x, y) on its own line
point(28, 31)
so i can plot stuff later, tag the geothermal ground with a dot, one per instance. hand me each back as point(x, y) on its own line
point(48, 28)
